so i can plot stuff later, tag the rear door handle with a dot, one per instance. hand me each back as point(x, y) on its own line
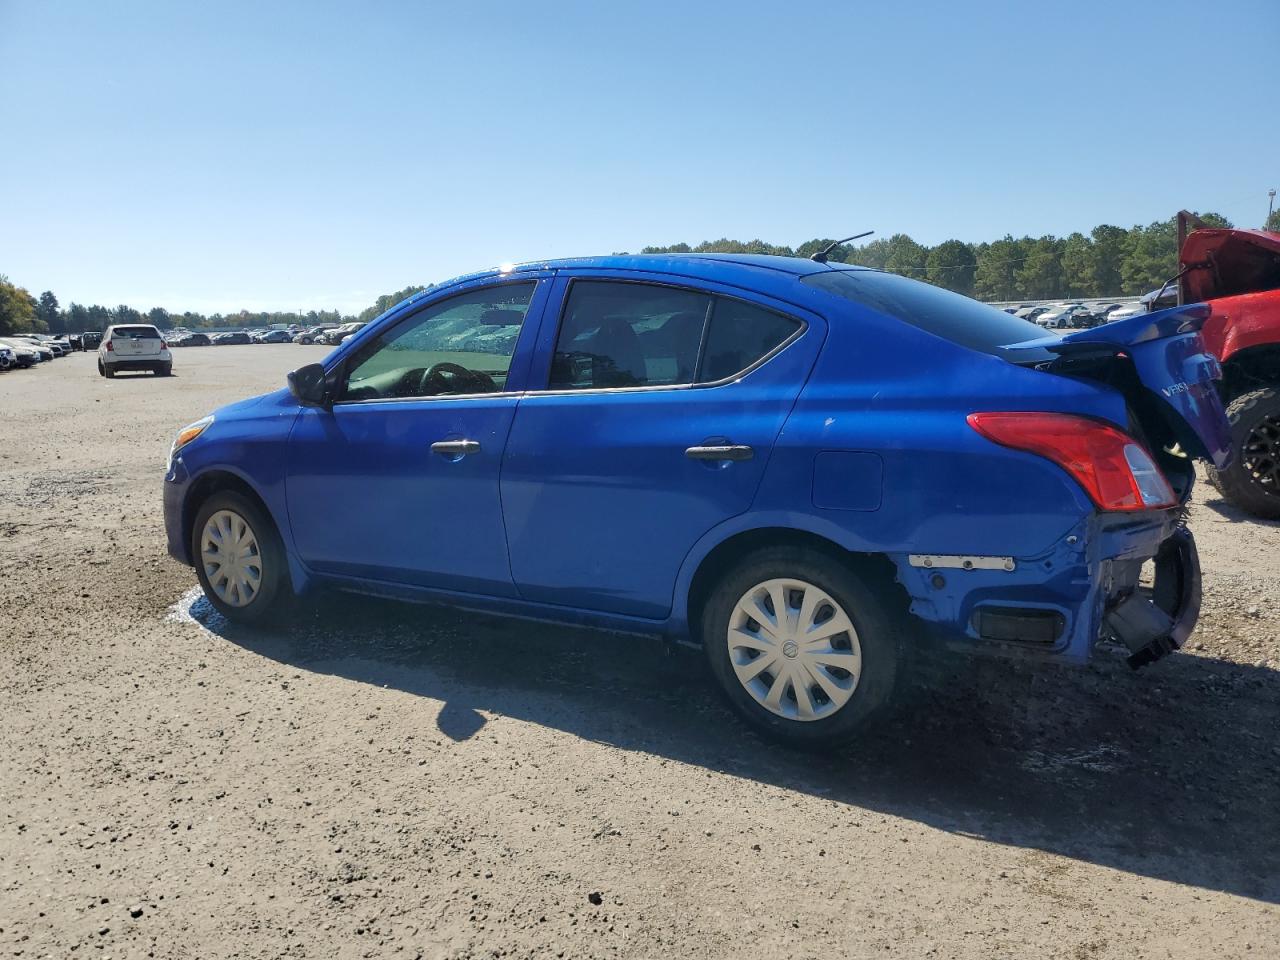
point(729, 451)
point(455, 448)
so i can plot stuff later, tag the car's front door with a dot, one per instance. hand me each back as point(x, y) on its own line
point(658, 409)
point(399, 480)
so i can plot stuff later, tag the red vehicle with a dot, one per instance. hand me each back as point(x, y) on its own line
point(1237, 273)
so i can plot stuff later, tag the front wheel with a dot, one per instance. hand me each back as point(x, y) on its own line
point(239, 558)
point(1252, 481)
point(803, 648)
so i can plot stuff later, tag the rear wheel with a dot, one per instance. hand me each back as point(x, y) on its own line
point(1252, 482)
point(805, 651)
point(107, 370)
point(238, 555)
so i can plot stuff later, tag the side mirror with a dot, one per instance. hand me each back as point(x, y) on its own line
point(310, 385)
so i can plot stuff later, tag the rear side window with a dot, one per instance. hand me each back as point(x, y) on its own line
point(147, 333)
point(621, 334)
point(941, 312)
point(628, 335)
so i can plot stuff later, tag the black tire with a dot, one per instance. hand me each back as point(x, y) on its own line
point(107, 372)
point(273, 564)
point(1252, 482)
point(879, 624)
point(163, 370)
point(102, 370)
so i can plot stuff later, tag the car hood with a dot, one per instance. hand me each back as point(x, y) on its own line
point(250, 407)
point(1224, 263)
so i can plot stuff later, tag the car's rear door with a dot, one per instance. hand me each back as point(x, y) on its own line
point(658, 408)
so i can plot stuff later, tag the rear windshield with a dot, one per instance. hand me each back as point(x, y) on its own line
point(941, 312)
point(150, 333)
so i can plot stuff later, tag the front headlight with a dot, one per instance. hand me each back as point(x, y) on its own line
point(189, 433)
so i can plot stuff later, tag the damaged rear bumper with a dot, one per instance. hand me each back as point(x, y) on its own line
point(1154, 623)
point(1058, 605)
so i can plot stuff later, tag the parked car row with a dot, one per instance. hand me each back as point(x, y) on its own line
point(331, 334)
point(336, 335)
point(314, 334)
point(22, 350)
point(1074, 314)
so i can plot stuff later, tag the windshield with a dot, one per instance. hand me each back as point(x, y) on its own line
point(943, 313)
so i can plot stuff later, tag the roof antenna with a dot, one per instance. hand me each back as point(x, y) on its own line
point(821, 255)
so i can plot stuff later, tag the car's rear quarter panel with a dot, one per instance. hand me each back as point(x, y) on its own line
point(895, 399)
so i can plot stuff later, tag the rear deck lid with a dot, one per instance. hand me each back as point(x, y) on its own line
point(1169, 384)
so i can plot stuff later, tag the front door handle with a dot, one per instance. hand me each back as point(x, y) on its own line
point(728, 451)
point(455, 448)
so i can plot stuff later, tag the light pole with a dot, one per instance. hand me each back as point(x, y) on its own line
point(1271, 203)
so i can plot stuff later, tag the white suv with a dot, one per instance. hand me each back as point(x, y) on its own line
point(134, 346)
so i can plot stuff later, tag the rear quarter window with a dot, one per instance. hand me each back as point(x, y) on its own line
point(741, 335)
point(951, 316)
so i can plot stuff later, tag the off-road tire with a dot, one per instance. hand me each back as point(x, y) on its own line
point(881, 633)
point(1238, 483)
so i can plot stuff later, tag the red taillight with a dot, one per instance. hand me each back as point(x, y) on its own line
point(163, 345)
point(1114, 469)
point(110, 348)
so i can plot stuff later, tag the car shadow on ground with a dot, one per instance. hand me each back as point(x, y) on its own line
point(1171, 773)
point(1228, 511)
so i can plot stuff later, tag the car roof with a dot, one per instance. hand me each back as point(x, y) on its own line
point(762, 272)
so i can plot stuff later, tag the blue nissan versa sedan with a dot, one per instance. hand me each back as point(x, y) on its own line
point(813, 470)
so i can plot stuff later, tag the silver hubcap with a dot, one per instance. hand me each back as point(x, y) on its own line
point(794, 649)
point(232, 561)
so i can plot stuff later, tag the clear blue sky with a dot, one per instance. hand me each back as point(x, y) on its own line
point(278, 155)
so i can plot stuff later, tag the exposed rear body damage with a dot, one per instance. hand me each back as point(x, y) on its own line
point(1148, 380)
point(1061, 602)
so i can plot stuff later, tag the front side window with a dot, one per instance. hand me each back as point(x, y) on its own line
point(462, 345)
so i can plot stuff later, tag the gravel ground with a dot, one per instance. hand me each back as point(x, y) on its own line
point(386, 780)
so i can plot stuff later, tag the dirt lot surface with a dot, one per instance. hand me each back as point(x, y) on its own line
point(396, 781)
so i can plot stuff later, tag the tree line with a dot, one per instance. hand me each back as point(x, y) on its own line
point(1109, 261)
point(20, 312)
